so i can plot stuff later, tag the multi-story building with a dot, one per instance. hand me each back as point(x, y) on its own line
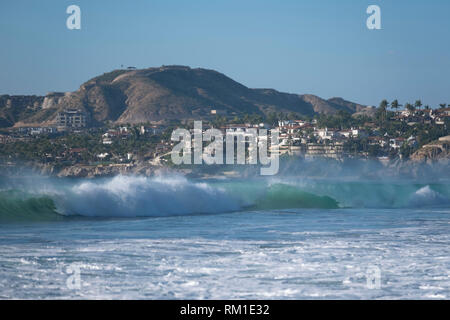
point(324, 150)
point(71, 119)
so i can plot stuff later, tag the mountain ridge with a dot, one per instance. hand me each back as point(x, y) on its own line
point(161, 94)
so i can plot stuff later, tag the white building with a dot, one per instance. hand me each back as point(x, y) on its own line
point(396, 143)
point(325, 134)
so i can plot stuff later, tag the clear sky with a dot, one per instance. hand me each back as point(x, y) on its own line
point(321, 47)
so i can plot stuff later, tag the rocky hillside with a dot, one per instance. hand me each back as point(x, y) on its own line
point(164, 93)
point(436, 150)
point(17, 108)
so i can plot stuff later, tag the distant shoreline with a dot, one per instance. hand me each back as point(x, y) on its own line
point(292, 165)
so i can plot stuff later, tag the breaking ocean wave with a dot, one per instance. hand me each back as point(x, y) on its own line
point(170, 195)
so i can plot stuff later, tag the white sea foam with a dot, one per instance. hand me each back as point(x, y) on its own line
point(255, 269)
point(426, 196)
point(130, 196)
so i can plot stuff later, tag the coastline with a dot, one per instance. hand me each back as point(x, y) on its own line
point(424, 168)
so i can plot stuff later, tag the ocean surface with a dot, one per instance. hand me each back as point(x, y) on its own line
point(169, 237)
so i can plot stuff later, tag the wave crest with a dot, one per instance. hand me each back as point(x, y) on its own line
point(168, 195)
point(130, 196)
point(427, 197)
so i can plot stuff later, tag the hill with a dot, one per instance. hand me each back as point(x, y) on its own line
point(164, 93)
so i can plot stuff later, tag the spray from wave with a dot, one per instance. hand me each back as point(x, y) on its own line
point(129, 196)
point(427, 197)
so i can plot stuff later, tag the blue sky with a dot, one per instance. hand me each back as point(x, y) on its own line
point(320, 47)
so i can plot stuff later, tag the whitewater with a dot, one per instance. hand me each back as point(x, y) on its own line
point(171, 237)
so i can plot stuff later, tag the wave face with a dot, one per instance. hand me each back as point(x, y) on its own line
point(376, 194)
point(134, 196)
point(18, 206)
point(282, 196)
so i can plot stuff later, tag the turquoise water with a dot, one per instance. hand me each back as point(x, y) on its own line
point(173, 238)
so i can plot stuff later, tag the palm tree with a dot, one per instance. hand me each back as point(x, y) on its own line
point(384, 104)
point(383, 108)
point(418, 104)
point(395, 105)
point(410, 108)
point(442, 105)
